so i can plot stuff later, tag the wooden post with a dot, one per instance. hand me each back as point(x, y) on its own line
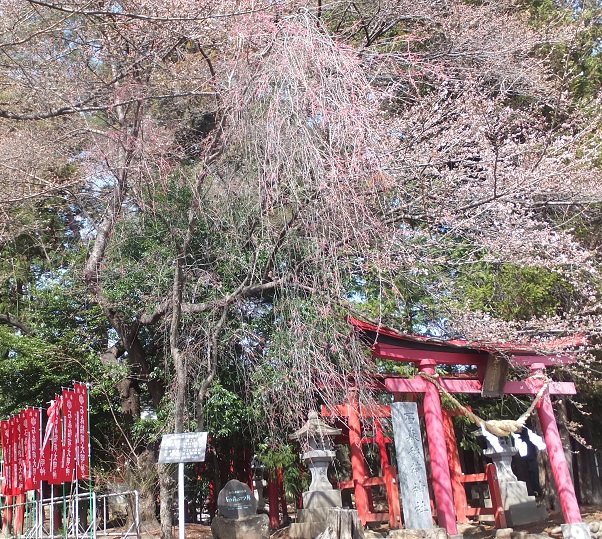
point(379, 438)
point(393, 497)
point(496, 496)
point(359, 468)
point(442, 488)
point(282, 495)
point(455, 469)
point(7, 515)
point(274, 512)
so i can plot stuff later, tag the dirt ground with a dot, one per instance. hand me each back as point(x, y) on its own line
point(478, 531)
point(550, 526)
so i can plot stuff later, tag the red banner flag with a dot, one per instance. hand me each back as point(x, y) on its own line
point(13, 456)
point(7, 458)
point(52, 454)
point(32, 425)
point(69, 431)
point(18, 454)
point(82, 448)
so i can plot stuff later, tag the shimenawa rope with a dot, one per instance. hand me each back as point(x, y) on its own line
point(498, 427)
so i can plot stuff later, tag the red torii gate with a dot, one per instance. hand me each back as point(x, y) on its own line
point(426, 353)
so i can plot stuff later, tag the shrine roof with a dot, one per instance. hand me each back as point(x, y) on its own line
point(387, 343)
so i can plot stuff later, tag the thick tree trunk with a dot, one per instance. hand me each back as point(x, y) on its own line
point(587, 468)
point(142, 476)
point(146, 483)
point(167, 485)
point(562, 418)
point(549, 491)
point(342, 524)
point(590, 486)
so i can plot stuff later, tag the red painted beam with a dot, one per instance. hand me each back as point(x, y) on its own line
point(359, 467)
point(429, 347)
point(364, 412)
point(496, 496)
point(399, 353)
point(418, 385)
point(393, 497)
point(274, 512)
point(548, 361)
point(448, 357)
point(554, 388)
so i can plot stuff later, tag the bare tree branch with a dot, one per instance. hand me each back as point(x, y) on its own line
point(139, 16)
point(16, 323)
point(79, 108)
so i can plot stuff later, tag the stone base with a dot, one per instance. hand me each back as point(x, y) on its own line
point(306, 530)
point(579, 530)
point(322, 498)
point(525, 513)
point(520, 507)
point(310, 523)
point(311, 520)
point(251, 527)
point(314, 514)
point(434, 533)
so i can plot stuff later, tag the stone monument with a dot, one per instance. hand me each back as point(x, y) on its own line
point(411, 466)
point(316, 440)
point(520, 508)
point(238, 518)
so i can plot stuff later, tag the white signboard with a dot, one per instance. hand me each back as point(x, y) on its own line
point(184, 447)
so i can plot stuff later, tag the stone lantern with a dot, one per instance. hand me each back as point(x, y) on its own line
point(315, 438)
point(519, 506)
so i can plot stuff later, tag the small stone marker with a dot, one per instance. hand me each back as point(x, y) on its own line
point(237, 517)
point(236, 500)
point(411, 469)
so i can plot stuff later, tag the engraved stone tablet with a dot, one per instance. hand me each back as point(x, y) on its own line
point(236, 500)
point(411, 468)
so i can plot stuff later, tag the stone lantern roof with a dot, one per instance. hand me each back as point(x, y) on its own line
point(315, 432)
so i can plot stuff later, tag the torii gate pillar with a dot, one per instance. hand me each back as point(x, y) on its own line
point(574, 527)
point(433, 418)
